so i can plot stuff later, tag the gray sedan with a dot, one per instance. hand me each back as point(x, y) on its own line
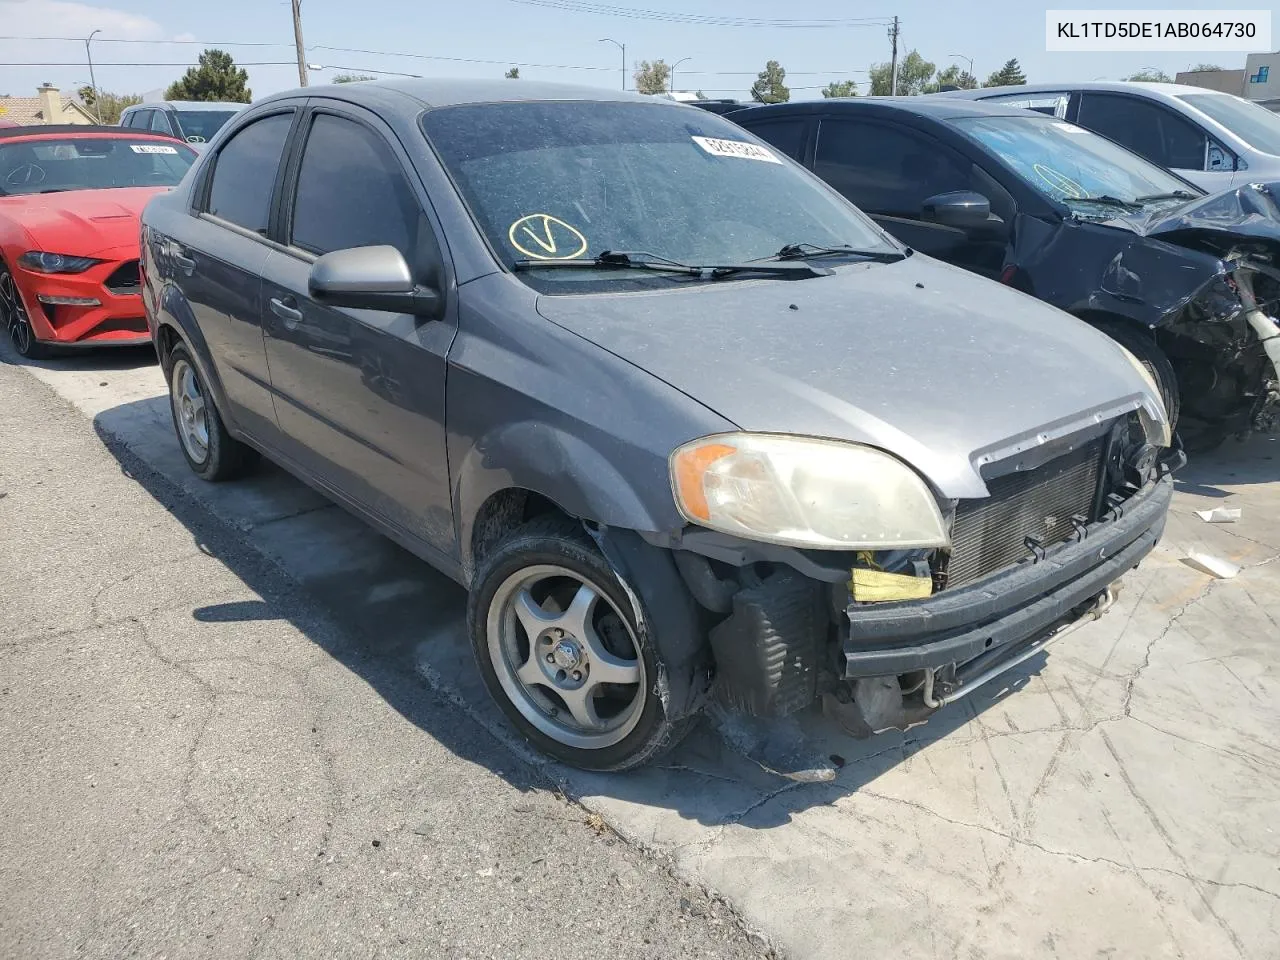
point(684, 422)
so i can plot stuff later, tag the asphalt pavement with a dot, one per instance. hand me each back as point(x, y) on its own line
point(1115, 798)
point(195, 761)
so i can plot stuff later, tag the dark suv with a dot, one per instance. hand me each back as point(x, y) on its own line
point(683, 421)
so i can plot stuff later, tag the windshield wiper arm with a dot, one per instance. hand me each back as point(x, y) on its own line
point(805, 251)
point(1171, 195)
point(1106, 199)
point(640, 260)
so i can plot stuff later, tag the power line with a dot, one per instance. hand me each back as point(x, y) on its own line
point(188, 63)
point(425, 56)
point(668, 16)
point(206, 43)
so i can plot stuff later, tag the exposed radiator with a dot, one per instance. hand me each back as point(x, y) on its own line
point(991, 534)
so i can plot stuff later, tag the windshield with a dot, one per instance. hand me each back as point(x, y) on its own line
point(199, 126)
point(1252, 123)
point(569, 180)
point(1066, 162)
point(90, 163)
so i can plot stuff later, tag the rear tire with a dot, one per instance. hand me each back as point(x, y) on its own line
point(542, 664)
point(14, 317)
point(211, 452)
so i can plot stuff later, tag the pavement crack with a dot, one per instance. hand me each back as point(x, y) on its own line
point(1132, 679)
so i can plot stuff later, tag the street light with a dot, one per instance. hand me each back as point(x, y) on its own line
point(672, 78)
point(390, 73)
point(623, 48)
point(961, 56)
point(97, 110)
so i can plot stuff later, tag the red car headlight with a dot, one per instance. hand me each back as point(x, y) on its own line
point(43, 262)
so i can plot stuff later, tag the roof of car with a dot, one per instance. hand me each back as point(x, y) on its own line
point(63, 129)
point(1156, 90)
point(185, 105)
point(939, 108)
point(451, 92)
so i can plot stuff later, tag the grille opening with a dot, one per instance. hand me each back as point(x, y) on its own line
point(991, 534)
point(125, 279)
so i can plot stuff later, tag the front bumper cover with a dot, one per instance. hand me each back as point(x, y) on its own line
point(1017, 604)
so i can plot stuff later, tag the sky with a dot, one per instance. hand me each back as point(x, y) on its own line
point(547, 41)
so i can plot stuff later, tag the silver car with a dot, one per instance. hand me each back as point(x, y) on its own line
point(1214, 139)
point(194, 122)
point(683, 421)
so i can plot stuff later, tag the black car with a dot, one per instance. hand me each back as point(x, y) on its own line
point(1186, 281)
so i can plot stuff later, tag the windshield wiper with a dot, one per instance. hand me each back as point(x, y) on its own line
point(1107, 200)
point(640, 260)
point(1171, 195)
point(805, 251)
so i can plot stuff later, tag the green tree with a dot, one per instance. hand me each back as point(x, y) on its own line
point(1206, 68)
point(837, 89)
point(107, 107)
point(513, 73)
point(652, 77)
point(1010, 75)
point(216, 78)
point(1150, 75)
point(352, 77)
point(769, 87)
point(914, 74)
point(700, 95)
point(952, 76)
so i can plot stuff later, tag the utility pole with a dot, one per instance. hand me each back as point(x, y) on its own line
point(97, 107)
point(892, 63)
point(297, 41)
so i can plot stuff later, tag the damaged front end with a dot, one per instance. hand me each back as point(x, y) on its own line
point(1209, 288)
point(884, 638)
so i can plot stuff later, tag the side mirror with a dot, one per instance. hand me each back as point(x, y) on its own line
point(370, 278)
point(963, 209)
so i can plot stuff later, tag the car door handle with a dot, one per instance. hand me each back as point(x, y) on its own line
point(287, 310)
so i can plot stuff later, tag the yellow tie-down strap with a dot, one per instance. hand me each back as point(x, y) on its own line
point(877, 586)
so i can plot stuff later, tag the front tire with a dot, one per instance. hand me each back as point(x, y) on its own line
point(1157, 363)
point(557, 644)
point(211, 452)
point(14, 317)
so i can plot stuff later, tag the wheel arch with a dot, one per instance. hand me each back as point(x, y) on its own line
point(176, 324)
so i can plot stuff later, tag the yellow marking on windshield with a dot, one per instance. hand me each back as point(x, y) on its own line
point(540, 236)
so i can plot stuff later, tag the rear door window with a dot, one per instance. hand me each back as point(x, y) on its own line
point(160, 123)
point(886, 170)
point(244, 173)
point(352, 192)
point(1148, 129)
point(787, 135)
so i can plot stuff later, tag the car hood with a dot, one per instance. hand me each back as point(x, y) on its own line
point(1218, 221)
point(941, 368)
point(80, 222)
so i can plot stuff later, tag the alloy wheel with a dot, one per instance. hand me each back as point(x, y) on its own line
point(566, 657)
point(190, 411)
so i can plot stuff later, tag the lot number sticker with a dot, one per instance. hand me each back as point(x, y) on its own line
point(735, 148)
point(152, 148)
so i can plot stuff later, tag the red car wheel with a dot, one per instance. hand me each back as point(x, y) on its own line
point(14, 317)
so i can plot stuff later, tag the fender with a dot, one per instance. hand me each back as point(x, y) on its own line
point(553, 463)
point(174, 313)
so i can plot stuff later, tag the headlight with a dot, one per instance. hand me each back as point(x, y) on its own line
point(1156, 424)
point(43, 262)
point(804, 493)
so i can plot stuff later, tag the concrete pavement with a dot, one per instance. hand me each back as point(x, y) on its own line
point(1115, 798)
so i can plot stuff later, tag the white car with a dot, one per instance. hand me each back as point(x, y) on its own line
point(1213, 139)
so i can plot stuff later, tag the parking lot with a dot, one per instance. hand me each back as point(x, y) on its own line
point(1116, 798)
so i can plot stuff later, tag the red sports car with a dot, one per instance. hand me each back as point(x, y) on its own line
point(70, 199)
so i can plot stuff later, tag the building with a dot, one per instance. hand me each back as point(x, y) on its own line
point(1224, 81)
point(48, 106)
point(1262, 76)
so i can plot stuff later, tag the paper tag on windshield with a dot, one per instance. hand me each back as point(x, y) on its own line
point(1069, 127)
point(735, 148)
point(151, 148)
